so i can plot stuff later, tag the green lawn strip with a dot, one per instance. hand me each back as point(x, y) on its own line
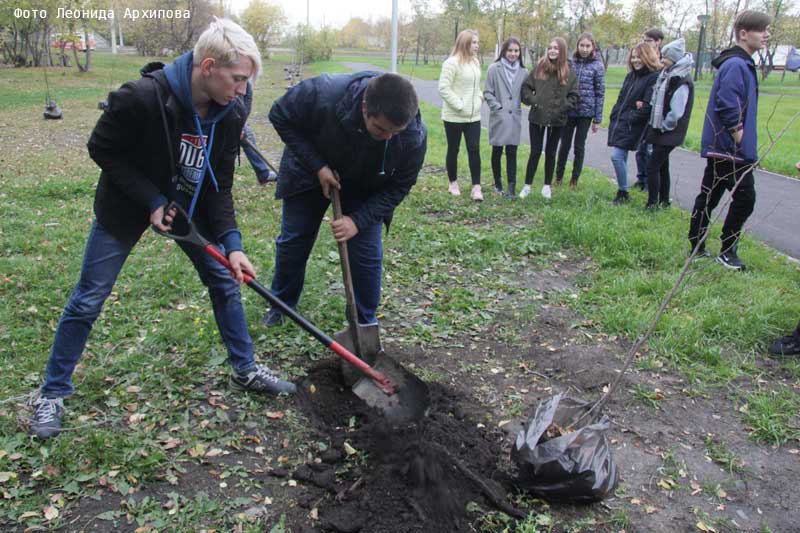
point(155, 355)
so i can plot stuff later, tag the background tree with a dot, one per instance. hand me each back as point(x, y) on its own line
point(265, 22)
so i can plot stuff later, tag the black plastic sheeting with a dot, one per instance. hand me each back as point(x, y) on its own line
point(576, 466)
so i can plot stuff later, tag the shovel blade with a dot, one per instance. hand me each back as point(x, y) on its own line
point(370, 343)
point(411, 399)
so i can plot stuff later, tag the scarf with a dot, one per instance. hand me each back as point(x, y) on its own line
point(681, 69)
point(510, 70)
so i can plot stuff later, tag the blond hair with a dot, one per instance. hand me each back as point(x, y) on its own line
point(462, 49)
point(648, 56)
point(226, 42)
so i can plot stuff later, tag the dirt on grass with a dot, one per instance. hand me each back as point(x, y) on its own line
point(685, 459)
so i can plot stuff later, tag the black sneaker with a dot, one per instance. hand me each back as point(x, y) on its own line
point(272, 318)
point(788, 345)
point(621, 198)
point(730, 260)
point(47, 416)
point(261, 379)
point(651, 207)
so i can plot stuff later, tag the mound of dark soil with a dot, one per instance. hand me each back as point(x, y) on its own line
point(411, 478)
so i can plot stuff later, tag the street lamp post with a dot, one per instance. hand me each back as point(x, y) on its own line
point(703, 19)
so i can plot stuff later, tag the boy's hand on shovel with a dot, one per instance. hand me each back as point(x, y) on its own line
point(344, 229)
point(241, 265)
point(161, 220)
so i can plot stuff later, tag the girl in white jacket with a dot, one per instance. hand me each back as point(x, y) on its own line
point(460, 89)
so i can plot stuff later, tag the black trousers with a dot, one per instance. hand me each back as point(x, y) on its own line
point(472, 136)
point(579, 128)
point(658, 179)
point(511, 165)
point(549, 136)
point(721, 175)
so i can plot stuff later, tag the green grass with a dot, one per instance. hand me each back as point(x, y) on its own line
point(155, 350)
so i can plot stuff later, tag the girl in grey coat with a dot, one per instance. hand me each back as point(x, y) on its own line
point(503, 95)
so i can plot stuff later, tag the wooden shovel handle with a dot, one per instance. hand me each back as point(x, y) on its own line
point(347, 278)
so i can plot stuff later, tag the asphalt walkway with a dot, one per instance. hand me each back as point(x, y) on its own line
point(773, 221)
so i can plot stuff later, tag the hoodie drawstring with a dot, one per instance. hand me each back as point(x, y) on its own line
point(206, 163)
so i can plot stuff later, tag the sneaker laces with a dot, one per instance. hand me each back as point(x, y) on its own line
point(265, 373)
point(45, 410)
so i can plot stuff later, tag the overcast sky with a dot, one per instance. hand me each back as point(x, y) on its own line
point(333, 12)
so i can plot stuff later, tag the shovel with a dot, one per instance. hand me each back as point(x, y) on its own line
point(399, 395)
point(365, 341)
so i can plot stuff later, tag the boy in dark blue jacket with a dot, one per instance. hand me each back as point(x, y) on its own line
point(365, 130)
point(171, 135)
point(730, 141)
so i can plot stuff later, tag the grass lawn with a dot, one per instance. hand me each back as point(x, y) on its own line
point(148, 403)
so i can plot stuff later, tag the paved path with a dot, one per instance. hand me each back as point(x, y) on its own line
point(774, 220)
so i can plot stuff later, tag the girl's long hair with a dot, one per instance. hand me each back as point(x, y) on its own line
point(648, 55)
point(545, 67)
point(462, 47)
point(503, 49)
point(586, 36)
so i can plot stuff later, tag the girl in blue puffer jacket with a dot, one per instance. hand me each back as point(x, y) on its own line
point(591, 77)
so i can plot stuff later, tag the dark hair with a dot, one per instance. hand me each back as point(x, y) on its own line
point(584, 36)
point(503, 49)
point(393, 97)
point(655, 34)
point(751, 21)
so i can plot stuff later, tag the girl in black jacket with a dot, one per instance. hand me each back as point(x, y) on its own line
point(629, 115)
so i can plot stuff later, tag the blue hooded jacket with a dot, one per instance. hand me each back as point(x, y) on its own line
point(733, 102)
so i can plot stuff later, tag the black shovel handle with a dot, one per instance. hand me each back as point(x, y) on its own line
point(252, 146)
point(194, 237)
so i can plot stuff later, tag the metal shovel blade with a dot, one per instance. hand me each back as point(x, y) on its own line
point(411, 399)
point(370, 347)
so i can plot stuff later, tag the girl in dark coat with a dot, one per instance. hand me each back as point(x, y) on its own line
point(591, 78)
point(551, 90)
point(629, 115)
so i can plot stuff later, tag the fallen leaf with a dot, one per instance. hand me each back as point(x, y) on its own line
point(136, 418)
point(50, 512)
point(214, 452)
point(29, 514)
point(702, 527)
point(314, 514)
point(133, 389)
point(170, 443)
point(143, 529)
point(503, 423)
point(349, 450)
point(312, 388)
point(649, 509)
point(292, 483)
point(636, 501)
point(5, 476)
point(3, 453)
point(794, 451)
point(275, 415)
point(721, 493)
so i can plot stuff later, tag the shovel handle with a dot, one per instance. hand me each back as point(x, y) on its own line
point(347, 277)
point(380, 379)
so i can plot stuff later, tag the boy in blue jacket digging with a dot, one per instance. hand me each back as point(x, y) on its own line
point(730, 141)
point(365, 129)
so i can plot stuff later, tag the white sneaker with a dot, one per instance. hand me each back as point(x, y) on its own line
point(546, 192)
point(526, 190)
point(476, 193)
point(453, 188)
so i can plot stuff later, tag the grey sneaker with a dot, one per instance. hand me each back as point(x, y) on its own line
point(272, 318)
point(46, 419)
point(261, 379)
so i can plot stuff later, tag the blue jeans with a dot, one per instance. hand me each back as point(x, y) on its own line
point(619, 158)
point(643, 154)
point(259, 166)
point(102, 262)
point(300, 221)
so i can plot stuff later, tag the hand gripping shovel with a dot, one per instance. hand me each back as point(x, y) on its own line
point(389, 389)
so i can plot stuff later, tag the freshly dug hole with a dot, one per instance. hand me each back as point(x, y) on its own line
point(402, 479)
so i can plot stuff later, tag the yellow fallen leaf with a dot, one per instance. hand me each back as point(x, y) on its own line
point(636, 501)
point(5, 476)
point(50, 512)
point(721, 493)
point(3, 453)
point(503, 423)
point(702, 527)
point(312, 388)
point(649, 509)
point(349, 450)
